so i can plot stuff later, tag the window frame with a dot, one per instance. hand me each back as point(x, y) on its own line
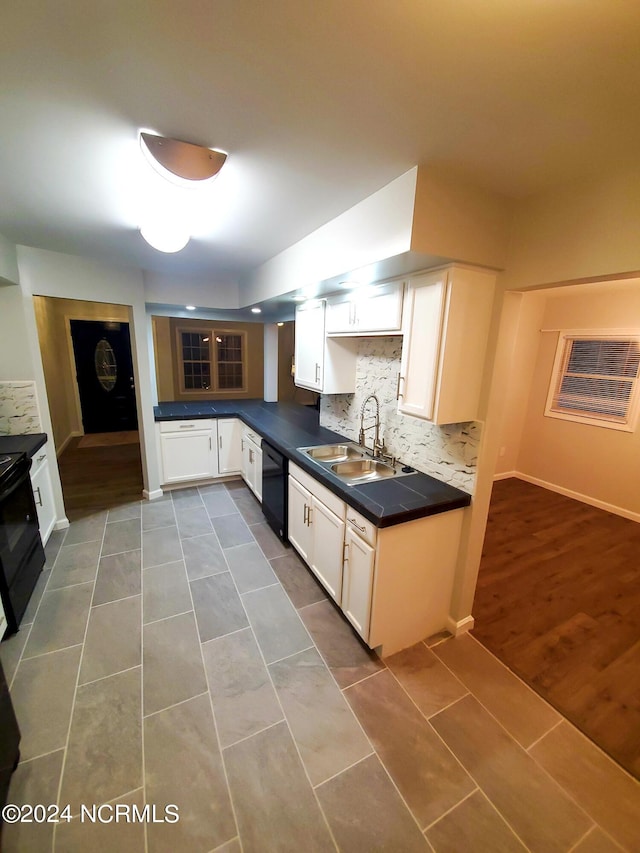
point(561, 361)
point(212, 332)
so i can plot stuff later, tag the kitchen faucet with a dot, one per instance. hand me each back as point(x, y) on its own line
point(378, 445)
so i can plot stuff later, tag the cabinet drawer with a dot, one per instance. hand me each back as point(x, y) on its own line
point(334, 503)
point(362, 526)
point(38, 460)
point(182, 426)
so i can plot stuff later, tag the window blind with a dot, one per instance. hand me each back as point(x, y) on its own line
point(597, 378)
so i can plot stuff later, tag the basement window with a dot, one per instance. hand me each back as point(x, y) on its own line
point(211, 361)
point(595, 380)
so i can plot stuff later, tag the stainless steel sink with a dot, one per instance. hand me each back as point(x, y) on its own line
point(334, 452)
point(352, 464)
point(363, 470)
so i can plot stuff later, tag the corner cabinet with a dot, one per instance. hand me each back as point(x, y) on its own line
point(43, 493)
point(447, 315)
point(322, 364)
point(376, 312)
point(188, 450)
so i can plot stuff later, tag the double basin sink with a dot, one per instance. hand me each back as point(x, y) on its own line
point(351, 464)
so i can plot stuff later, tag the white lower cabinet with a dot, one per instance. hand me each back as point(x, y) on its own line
point(252, 460)
point(43, 493)
point(394, 583)
point(300, 533)
point(357, 581)
point(188, 450)
point(317, 531)
point(229, 446)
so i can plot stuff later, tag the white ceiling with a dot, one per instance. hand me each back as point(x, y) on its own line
point(318, 102)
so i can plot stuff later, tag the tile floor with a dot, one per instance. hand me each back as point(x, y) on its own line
point(176, 652)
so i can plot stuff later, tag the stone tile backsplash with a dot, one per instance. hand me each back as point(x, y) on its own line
point(447, 452)
point(19, 413)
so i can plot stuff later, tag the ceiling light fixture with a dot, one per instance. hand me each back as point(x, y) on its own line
point(190, 307)
point(256, 310)
point(167, 227)
point(181, 162)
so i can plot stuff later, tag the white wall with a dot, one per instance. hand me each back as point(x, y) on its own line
point(8, 262)
point(221, 292)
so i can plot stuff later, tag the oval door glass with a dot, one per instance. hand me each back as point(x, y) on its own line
point(105, 363)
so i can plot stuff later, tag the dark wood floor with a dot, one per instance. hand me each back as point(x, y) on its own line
point(558, 601)
point(95, 478)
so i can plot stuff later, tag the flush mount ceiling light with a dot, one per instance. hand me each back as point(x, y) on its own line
point(184, 161)
point(256, 310)
point(168, 224)
point(190, 307)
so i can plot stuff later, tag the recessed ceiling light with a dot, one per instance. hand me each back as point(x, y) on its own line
point(256, 310)
point(279, 324)
point(299, 298)
point(190, 307)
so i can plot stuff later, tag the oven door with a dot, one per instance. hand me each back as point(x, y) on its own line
point(18, 522)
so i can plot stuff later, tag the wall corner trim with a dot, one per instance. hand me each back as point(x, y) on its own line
point(153, 495)
point(460, 626)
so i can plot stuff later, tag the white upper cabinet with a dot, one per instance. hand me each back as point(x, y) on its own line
point(378, 311)
point(447, 315)
point(321, 364)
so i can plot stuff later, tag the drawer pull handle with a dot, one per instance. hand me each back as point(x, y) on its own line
point(220, 442)
point(187, 426)
point(40, 458)
point(398, 394)
point(355, 524)
point(304, 515)
point(39, 496)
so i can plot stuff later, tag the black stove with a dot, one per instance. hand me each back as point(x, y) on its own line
point(7, 462)
point(21, 552)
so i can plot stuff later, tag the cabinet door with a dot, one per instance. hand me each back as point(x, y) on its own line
point(300, 533)
point(328, 547)
point(340, 315)
point(43, 496)
point(424, 309)
point(309, 346)
point(381, 311)
point(257, 472)
point(188, 456)
point(229, 446)
point(357, 582)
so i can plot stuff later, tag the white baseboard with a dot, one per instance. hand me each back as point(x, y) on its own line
point(153, 495)
point(505, 475)
point(461, 626)
point(578, 496)
point(61, 524)
point(60, 450)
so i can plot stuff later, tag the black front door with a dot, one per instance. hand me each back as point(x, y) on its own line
point(104, 371)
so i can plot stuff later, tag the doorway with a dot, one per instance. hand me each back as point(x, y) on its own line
point(104, 375)
point(87, 345)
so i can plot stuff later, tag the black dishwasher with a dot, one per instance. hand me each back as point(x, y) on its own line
point(274, 489)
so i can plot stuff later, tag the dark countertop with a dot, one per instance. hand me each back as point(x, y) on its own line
point(28, 444)
point(288, 426)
